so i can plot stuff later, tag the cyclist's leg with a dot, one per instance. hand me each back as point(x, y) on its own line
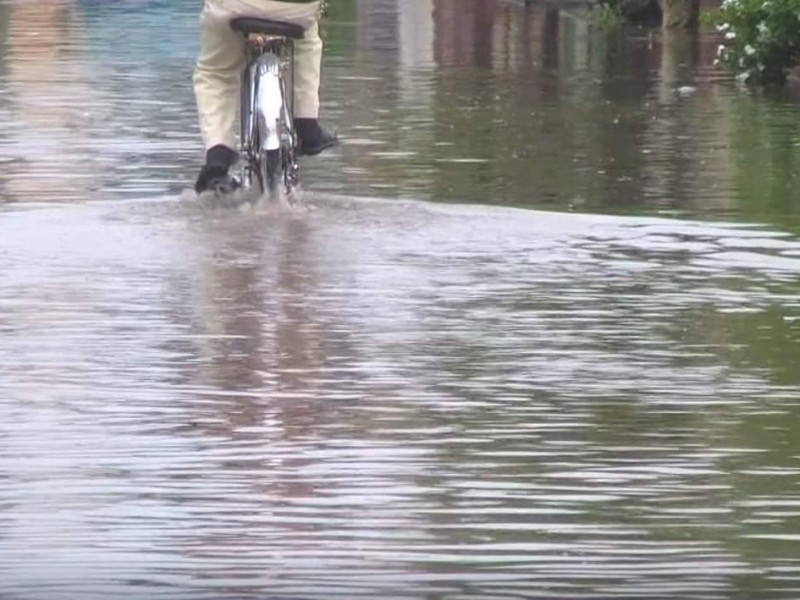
point(217, 81)
point(308, 63)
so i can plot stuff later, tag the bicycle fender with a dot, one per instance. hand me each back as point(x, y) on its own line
point(269, 101)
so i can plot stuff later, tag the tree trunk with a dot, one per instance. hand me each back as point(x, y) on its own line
point(681, 14)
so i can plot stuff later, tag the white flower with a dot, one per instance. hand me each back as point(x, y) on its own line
point(749, 50)
point(720, 51)
point(723, 27)
point(763, 30)
point(716, 62)
point(731, 35)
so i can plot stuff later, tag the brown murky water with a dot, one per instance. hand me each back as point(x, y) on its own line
point(572, 375)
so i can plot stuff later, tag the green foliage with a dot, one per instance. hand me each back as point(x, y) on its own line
point(608, 15)
point(760, 38)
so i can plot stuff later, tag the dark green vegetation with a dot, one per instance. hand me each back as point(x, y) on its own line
point(761, 39)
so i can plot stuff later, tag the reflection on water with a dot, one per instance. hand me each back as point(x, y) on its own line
point(382, 398)
point(464, 100)
point(391, 400)
point(95, 99)
point(489, 101)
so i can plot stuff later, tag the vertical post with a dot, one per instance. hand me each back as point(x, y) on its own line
point(681, 14)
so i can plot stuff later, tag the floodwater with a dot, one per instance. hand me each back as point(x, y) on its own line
point(533, 332)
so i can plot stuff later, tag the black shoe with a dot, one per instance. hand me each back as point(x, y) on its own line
point(214, 174)
point(313, 137)
point(215, 179)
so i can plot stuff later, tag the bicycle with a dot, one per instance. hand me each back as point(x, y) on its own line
point(268, 139)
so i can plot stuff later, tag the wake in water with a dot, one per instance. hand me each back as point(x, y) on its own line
point(243, 200)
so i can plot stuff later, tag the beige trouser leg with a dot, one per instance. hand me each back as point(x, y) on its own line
point(217, 77)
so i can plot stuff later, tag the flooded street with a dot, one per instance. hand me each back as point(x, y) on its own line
point(533, 333)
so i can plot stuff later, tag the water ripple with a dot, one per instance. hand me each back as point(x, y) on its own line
point(378, 397)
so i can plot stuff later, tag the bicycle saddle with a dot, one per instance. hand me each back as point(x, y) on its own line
point(248, 26)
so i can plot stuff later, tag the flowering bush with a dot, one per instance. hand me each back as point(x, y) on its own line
point(761, 38)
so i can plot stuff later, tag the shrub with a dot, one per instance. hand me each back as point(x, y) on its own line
point(761, 38)
point(608, 15)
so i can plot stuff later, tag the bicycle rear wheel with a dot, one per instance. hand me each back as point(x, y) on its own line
point(272, 171)
point(249, 132)
point(279, 172)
